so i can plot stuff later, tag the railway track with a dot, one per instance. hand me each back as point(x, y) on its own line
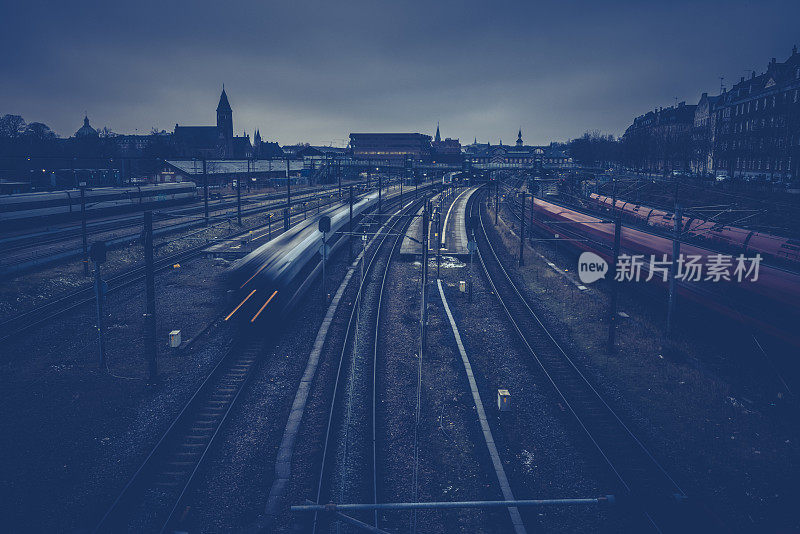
point(52, 309)
point(643, 482)
point(151, 501)
point(337, 456)
point(15, 326)
point(222, 204)
point(154, 498)
point(26, 255)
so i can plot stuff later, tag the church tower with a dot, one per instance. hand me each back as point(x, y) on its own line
point(519, 138)
point(257, 144)
point(438, 138)
point(224, 117)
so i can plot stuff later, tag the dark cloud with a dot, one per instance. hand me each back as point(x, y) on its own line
point(303, 71)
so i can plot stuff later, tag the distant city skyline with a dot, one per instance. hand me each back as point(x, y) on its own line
point(314, 74)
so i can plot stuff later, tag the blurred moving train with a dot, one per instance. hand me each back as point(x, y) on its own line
point(739, 239)
point(60, 205)
point(269, 274)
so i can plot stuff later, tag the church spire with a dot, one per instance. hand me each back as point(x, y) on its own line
point(225, 119)
point(224, 105)
point(438, 138)
point(519, 138)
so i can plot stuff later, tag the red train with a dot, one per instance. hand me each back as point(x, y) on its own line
point(733, 238)
point(771, 304)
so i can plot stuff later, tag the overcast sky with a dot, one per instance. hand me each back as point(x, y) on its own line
point(316, 72)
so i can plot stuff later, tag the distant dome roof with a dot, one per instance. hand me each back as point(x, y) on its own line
point(86, 130)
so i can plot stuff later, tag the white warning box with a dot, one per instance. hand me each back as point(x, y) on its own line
point(503, 400)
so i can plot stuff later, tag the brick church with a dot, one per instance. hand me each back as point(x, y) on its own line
point(213, 142)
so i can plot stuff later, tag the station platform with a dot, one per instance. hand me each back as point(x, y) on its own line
point(454, 238)
point(455, 225)
point(412, 241)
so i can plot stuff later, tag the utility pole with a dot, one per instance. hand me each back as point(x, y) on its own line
point(380, 189)
point(339, 176)
point(205, 190)
point(471, 247)
point(83, 229)
point(288, 212)
point(438, 241)
point(324, 227)
point(239, 194)
point(673, 269)
point(533, 205)
point(496, 198)
point(350, 232)
point(522, 231)
point(614, 195)
point(150, 298)
point(612, 317)
point(424, 306)
point(98, 255)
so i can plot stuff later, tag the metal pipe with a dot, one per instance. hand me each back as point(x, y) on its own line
point(332, 507)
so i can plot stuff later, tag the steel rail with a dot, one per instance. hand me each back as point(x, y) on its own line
point(583, 401)
point(60, 305)
point(349, 333)
point(232, 371)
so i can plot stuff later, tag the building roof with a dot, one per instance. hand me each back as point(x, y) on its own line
point(269, 150)
point(197, 136)
point(240, 144)
point(776, 74)
point(223, 102)
point(229, 166)
point(86, 130)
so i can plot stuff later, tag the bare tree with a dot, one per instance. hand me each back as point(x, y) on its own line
point(11, 126)
point(39, 131)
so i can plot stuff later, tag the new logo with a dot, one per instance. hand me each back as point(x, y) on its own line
point(591, 267)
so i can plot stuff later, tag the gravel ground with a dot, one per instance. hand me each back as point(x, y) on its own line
point(540, 445)
point(232, 491)
point(73, 435)
point(685, 399)
point(231, 494)
point(453, 463)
